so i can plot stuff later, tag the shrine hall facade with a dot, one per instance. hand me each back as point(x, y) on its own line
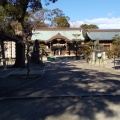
point(59, 41)
point(105, 36)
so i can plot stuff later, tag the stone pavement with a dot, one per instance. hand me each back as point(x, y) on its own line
point(65, 107)
point(108, 64)
point(14, 78)
point(60, 108)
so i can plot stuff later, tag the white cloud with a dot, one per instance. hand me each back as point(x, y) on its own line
point(102, 23)
point(109, 26)
point(103, 20)
point(76, 24)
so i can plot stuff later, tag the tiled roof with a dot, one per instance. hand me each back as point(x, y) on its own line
point(58, 29)
point(103, 34)
point(58, 36)
point(47, 33)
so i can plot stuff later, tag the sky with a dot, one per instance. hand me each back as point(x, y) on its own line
point(103, 13)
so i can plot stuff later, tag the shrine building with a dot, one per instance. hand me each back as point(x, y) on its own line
point(105, 36)
point(59, 41)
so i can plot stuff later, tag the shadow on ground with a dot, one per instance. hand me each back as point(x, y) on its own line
point(69, 92)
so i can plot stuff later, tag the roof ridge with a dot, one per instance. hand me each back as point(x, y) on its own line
point(104, 30)
point(52, 29)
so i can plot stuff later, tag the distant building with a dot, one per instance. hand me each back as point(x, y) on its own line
point(105, 36)
point(59, 41)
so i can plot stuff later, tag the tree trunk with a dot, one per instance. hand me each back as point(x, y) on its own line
point(3, 54)
point(20, 55)
point(20, 50)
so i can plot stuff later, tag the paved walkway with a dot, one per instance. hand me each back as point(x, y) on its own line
point(80, 77)
point(14, 78)
point(108, 64)
point(86, 79)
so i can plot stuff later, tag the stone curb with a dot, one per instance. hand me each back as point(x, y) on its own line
point(62, 96)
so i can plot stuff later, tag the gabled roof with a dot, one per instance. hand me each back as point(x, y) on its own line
point(47, 33)
point(58, 36)
point(103, 34)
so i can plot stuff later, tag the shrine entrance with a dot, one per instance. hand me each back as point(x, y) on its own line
point(59, 48)
point(58, 45)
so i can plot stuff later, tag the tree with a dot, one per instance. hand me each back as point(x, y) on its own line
point(39, 17)
point(90, 26)
point(76, 43)
point(61, 22)
point(46, 18)
point(38, 24)
point(5, 27)
point(86, 27)
point(56, 16)
point(116, 47)
point(5, 21)
point(17, 11)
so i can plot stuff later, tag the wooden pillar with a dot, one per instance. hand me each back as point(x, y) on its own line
point(111, 46)
point(66, 47)
point(69, 48)
point(50, 49)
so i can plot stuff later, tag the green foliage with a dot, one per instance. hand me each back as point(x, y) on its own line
point(115, 51)
point(38, 24)
point(84, 50)
point(116, 40)
point(57, 16)
point(116, 45)
point(61, 22)
point(17, 10)
point(110, 53)
point(5, 22)
point(40, 17)
point(90, 43)
point(12, 11)
point(91, 26)
point(87, 51)
point(86, 27)
point(3, 15)
point(57, 13)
